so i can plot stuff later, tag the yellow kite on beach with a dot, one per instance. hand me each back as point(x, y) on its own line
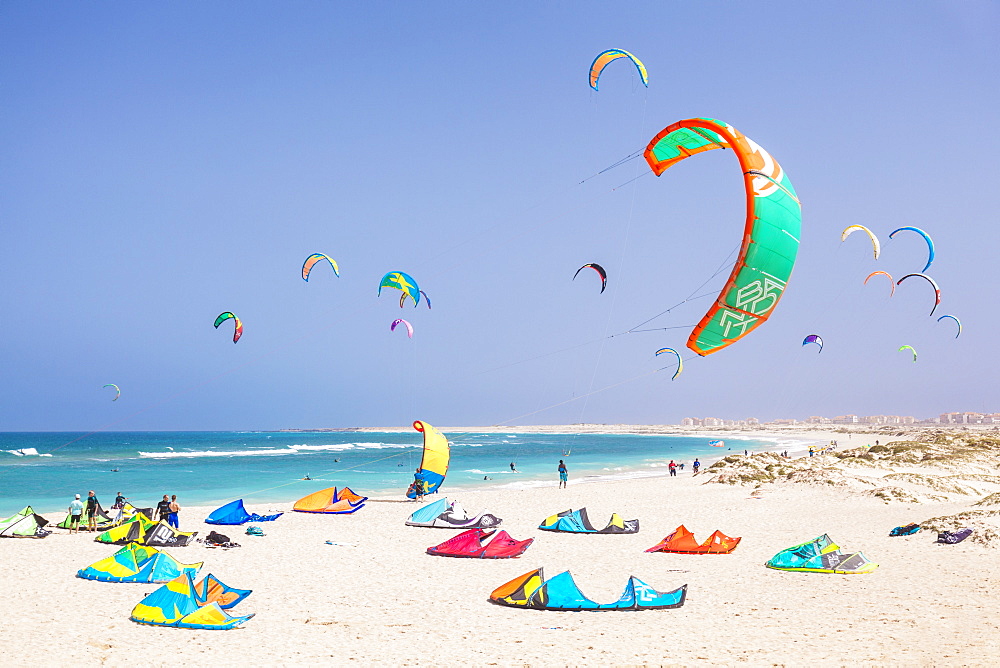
point(182, 603)
point(433, 463)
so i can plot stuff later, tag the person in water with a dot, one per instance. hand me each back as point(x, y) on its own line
point(512, 467)
point(563, 474)
point(92, 505)
point(174, 509)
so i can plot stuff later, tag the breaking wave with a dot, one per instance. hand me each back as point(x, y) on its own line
point(272, 452)
point(24, 452)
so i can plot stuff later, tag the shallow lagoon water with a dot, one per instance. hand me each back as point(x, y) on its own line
point(204, 468)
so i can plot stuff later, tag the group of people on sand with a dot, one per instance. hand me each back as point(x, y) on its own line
point(167, 509)
point(673, 466)
point(76, 510)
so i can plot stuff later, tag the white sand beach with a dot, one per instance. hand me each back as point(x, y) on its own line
point(384, 601)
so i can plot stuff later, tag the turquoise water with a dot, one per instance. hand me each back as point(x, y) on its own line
point(44, 470)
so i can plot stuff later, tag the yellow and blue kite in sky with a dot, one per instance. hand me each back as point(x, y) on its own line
point(606, 57)
point(403, 282)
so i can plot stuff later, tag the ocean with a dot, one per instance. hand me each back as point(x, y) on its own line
point(45, 469)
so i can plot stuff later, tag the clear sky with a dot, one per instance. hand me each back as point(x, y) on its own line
point(161, 163)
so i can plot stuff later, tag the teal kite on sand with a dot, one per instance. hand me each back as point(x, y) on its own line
point(576, 521)
point(821, 555)
point(532, 590)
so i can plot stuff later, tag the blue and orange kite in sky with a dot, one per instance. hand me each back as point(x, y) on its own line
point(606, 57)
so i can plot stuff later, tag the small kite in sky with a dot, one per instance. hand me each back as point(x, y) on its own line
point(398, 321)
point(311, 261)
point(599, 269)
point(813, 338)
point(680, 362)
point(228, 315)
point(403, 282)
point(927, 238)
point(606, 57)
point(851, 229)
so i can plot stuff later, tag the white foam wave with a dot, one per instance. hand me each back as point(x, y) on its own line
point(218, 453)
point(300, 448)
point(350, 446)
point(24, 452)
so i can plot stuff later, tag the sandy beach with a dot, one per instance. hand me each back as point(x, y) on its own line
point(382, 600)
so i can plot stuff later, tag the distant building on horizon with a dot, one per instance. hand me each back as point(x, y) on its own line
point(889, 419)
point(717, 422)
point(969, 418)
point(961, 417)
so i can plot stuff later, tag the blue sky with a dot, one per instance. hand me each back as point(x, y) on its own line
point(161, 164)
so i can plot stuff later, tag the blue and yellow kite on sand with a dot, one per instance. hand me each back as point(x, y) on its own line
point(183, 604)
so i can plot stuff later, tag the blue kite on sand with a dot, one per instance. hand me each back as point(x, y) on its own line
point(234, 513)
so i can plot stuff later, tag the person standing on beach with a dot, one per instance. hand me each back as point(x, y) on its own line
point(75, 511)
point(119, 502)
point(696, 466)
point(174, 509)
point(163, 508)
point(418, 486)
point(673, 467)
point(92, 504)
point(563, 474)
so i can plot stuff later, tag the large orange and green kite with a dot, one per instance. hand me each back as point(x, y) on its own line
point(770, 235)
